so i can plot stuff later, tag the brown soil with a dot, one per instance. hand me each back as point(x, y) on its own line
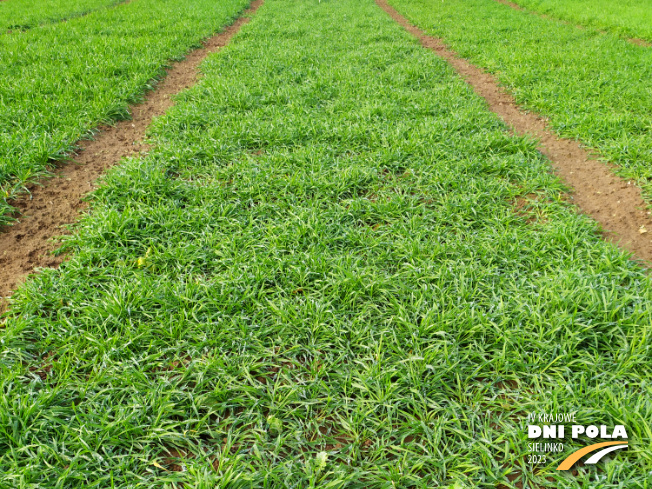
point(638, 42)
point(615, 204)
point(171, 456)
point(28, 243)
point(510, 4)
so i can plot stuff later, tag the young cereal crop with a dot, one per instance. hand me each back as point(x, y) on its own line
point(593, 87)
point(52, 94)
point(336, 269)
point(631, 18)
point(20, 15)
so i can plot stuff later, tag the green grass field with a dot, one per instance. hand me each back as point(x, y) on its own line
point(632, 18)
point(336, 269)
point(61, 81)
point(592, 87)
point(19, 15)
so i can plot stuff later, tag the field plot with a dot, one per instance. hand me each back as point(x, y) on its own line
point(19, 15)
point(337, 268)
point(51, 94)
point(631, 18)
point(593, 87)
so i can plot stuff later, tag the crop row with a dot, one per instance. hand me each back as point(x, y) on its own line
point(337, 268)
point(19, 15)
point(591, 86)
point(632, 18)
point(61, 81)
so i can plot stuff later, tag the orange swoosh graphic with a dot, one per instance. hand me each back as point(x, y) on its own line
point(575, 456)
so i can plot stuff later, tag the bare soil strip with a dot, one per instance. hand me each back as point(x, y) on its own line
point(615, 204)
point(638, 42)
point(28, 244)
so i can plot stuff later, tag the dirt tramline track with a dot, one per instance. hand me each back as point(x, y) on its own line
point(321, 269)
point(617, 205)
point(515, 6)
point(27, 244)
